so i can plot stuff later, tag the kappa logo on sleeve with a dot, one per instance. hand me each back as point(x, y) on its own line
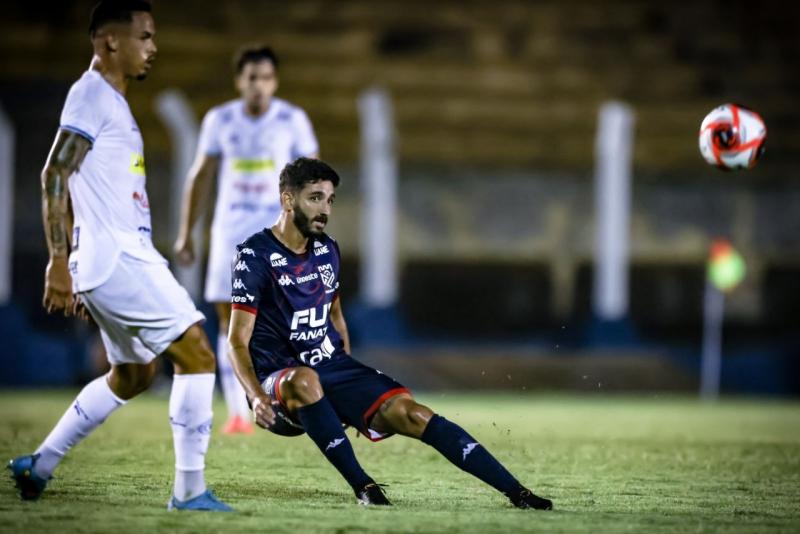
point(241, 266)
point(248, 252)
point(285, 280)
point(238, 284)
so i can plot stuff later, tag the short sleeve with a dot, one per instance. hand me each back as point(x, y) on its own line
point(305, 142)
point(248, 277)
point(208, 142)
point(86, 110)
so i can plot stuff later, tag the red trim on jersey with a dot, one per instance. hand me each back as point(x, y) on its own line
point(374, 408)
point(244, 307)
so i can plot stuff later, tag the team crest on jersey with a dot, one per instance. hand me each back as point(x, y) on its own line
point(320, 249)
point(285, 280)
point(277, 260)
point(327, 275)
point(241, 266)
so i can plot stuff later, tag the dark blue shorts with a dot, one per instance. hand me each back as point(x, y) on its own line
point(355, 390)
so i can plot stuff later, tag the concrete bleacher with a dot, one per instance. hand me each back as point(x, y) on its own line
point(494, 83)
point(502, 89)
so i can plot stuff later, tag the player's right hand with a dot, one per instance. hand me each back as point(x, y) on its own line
point(58, 287)
point(263, 414)
point(184, 250)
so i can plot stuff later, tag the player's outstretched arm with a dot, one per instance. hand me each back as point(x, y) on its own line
point(240, 331)
point(66, 155)
point(195, 200)
point(337, 318)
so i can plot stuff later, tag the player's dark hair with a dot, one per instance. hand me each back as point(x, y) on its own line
point(107, 11)
point(306, 171)
point(253, 54)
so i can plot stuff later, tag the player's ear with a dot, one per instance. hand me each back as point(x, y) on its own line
point(111, 41)
point(287, 200)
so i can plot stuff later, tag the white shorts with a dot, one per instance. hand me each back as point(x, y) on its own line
point(223, 247)
point(141, 309)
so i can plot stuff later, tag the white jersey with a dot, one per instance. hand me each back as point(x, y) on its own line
point(109, 201)
point(252, 152)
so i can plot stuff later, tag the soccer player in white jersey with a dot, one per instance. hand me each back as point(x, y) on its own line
point(244, 143)
point(113, 269)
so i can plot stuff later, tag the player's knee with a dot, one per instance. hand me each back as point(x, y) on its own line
point(128, 381)
point(409, 417)
point(301, 387)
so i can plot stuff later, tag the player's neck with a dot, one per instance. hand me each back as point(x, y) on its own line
point(255, 110)
point(115, 78)
point(288, 234)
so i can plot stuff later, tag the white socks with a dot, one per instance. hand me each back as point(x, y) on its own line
point(232, 390)
point(190, 416)
point(92, 406)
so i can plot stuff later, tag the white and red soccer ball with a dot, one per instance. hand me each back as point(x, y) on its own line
point(732, 137)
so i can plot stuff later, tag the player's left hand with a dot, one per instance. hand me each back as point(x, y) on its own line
point(58, 287)
point(263, 414)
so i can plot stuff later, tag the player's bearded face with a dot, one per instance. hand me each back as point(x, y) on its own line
point(305, 222)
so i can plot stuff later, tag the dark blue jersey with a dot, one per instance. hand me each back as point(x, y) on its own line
point(291, 295)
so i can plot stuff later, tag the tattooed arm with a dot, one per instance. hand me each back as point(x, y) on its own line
point(65, 157)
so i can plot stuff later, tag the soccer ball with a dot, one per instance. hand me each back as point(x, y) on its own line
point(732, 137)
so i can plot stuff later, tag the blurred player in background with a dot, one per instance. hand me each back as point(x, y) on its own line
point(288, 332)
point(244, 143)
point(113, 270)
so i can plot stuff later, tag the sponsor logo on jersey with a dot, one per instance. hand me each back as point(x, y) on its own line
point(285, 280)
point(253, 165)
point(238, 284)
point(306, 278)
point(244, 300)
point(137, 164)
point(320, 249)
point(309, 317)
point(308, 335)
point(248, 251)
point(141, 200)
point(277, 260)
point(326, 272)
point(241, 266)
point(76, 237)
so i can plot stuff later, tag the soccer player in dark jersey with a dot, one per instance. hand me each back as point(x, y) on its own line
point(290, 349)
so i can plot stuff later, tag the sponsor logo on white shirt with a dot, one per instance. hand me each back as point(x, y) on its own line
point(277, 260)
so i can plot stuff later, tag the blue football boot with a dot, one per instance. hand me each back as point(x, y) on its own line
point(205, 501)
point(30, 485)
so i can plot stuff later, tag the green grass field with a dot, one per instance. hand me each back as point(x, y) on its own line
point(638, 464)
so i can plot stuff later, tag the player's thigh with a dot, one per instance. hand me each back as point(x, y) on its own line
point(223, 310)
point(218, 274)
